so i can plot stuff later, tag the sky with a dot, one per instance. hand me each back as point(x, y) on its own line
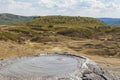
point(88, 8)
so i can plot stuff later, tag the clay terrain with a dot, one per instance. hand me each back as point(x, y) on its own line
point(54, 66)
point(80, 36)
point(84, 47)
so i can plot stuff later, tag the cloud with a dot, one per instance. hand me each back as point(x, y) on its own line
point(58, 3)
point(13, 4)
point(96, 4)
point(15, 7)
point(78, 5)
point(94, 8)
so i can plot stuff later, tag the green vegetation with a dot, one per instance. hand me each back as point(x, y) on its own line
point(84, 27)
point(116, 29)
point(23, 30)
point(77, 27)
point(81, 32)
point(9, 19)
point(58, 29)
point(9, 36)
point(65, 21)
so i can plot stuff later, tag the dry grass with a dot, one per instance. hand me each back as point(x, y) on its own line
point(86, 47)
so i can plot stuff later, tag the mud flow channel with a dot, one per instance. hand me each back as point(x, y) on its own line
point(44, 67)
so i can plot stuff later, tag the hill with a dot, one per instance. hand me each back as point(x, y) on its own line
point(71, 26)
point(111, 21)
point(66, 21)
point(8, 19)
point(37, 28)
point(81, 34)
point(67, 25)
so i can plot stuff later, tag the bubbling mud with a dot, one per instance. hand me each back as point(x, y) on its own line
point(50, 67)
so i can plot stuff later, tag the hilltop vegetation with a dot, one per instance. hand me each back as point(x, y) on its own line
point(82, 27)
point(9, 19)
point(66, 21)
point(74, 27)
point(84, 36)
point(78, 27)
point(67, 32)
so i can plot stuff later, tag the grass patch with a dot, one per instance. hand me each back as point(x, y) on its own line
point(9, 36)
point(65, 21)
point(114, 30)
point(23, 30)
point(81, 32)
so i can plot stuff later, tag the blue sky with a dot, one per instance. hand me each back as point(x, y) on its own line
point(89, 8)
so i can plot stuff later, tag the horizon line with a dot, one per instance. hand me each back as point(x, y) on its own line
point(57, 15)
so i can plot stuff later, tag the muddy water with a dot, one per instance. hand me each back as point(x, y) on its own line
point(45, 65)
point(52, 67)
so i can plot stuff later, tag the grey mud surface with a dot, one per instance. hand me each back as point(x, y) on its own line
point(52, 67)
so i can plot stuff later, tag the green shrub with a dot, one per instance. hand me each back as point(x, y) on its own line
point(20, 30)
point(65, 21)
point(82, 32)
point(50, 26)
point(115, 29)
point(9, 36)
point(37, 28)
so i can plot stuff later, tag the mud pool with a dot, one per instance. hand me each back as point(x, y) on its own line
point(52, 67)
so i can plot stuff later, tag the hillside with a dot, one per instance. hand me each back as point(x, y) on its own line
point(39, 28)
point(8, 19)
point(66, 21)
point(66, 32)
point(68, 25)
point(88, 37)
point(115, 22)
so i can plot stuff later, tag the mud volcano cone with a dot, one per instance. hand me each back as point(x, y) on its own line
point(52, 67)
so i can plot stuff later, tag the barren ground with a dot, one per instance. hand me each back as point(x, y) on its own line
point(86, 47)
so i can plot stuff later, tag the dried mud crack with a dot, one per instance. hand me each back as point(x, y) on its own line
point(52, 67)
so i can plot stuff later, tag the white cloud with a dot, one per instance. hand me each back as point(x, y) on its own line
point(95, 8)
point(72, 3)
point(15, 7)
point(58, 3)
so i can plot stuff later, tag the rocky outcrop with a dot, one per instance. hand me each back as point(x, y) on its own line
point(52, 67)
